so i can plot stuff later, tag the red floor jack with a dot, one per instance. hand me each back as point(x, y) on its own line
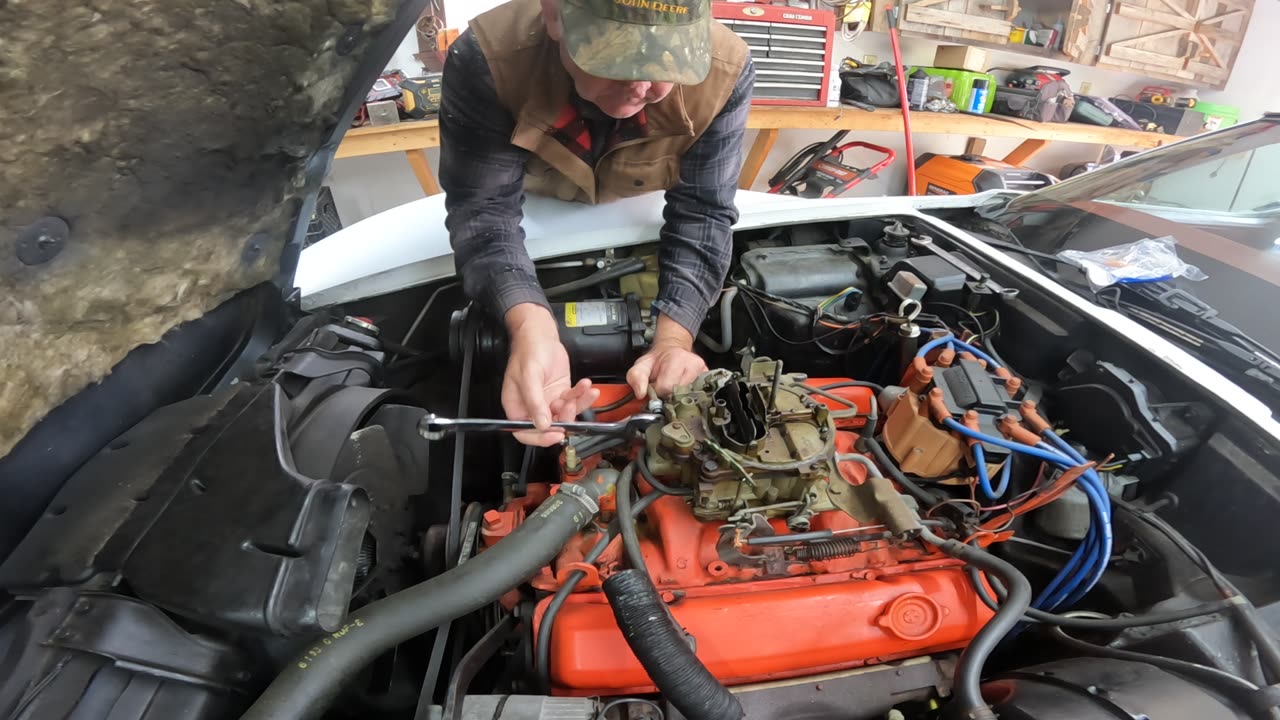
point(818, 171)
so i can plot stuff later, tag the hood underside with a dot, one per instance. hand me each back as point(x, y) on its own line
point(178, 142)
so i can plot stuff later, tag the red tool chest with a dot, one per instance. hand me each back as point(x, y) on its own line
point(791, 49)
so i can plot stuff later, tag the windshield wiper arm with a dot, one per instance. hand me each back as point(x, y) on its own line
point(1189, 319)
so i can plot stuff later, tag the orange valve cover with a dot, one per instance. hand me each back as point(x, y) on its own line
point(771, 629)
point(758, 613)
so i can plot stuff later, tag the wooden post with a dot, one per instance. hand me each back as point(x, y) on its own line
point(755, 158)
point(422, 170)
point(1024, 152)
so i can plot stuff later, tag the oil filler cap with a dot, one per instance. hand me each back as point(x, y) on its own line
point(913, 616)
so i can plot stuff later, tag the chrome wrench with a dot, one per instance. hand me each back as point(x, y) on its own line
point(434, 427)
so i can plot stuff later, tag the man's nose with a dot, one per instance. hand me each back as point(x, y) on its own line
point(638, 90)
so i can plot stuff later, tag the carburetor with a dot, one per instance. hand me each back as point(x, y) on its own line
point(755, 439)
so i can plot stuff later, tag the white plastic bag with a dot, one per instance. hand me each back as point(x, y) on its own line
point(1142, 261)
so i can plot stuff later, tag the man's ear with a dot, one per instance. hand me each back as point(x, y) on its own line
point(551, 18)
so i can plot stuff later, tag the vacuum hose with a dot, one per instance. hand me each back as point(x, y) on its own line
point(309, 683)
point(969, 704)
point(663, 650)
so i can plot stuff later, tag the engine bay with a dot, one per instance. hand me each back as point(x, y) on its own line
point(910, 485)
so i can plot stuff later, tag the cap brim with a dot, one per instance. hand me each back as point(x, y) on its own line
point(616, 50)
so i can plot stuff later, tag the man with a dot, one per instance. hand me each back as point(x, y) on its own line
point(592, 100)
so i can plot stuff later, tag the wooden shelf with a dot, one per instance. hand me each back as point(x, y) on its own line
point(886, 120)
point(402, 137)
point(412, 138)
point(1034, 51)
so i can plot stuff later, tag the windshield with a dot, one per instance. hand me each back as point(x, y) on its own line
point(1218, 198)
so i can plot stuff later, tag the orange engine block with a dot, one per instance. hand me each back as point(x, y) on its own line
point(761, 612)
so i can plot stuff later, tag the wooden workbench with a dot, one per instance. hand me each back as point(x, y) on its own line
point(411, 138)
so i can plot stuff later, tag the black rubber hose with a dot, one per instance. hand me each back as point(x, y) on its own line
point(597, 445)
point(542, 643)
point(870, 444)
point(877, 388)
point(622, 267)
point(643, 464)
point(616, 404)
point(627, 528)
point(309, 684)
point(1263, 639)
point(968, 679)
point(1236, 688)
point(1120, 622)
point(664, 652)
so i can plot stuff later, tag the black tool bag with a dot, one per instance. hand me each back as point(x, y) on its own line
point(1036, 94)
point(876, 85)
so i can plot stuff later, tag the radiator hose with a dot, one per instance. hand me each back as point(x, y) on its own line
point(309, 683)
point(661, 647)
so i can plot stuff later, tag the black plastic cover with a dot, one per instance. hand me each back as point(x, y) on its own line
point(99, 655)
point(1103, 689)
point(1109, 410)
point(967, 385)
point(945, 281)
point(802, 272)
point(192, 508)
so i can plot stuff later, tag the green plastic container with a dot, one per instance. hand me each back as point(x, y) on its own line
point(1215, 115)
point(962, 85)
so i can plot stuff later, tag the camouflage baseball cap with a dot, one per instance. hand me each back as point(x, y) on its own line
point(654, 40)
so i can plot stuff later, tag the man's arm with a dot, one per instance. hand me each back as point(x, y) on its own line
point(697, 240)
point(482, 175)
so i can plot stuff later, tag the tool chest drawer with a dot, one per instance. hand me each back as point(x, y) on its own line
point(791, 49)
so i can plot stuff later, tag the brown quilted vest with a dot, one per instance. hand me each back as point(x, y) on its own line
point(534, 87)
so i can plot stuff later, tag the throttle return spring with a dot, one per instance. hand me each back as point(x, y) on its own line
point(832, 549)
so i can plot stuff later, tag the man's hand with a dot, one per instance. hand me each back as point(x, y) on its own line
point(670, 362)
point(537, 385)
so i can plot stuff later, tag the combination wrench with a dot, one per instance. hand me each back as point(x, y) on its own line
point(434, 427)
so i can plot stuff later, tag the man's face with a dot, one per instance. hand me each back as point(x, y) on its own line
point(616, 98)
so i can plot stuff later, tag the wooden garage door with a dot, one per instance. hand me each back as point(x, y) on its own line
point(1191, 41)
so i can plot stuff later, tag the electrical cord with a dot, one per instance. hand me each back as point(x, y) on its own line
point(904, 102)
point(1099, 539)
point(604, 711)
point(1246, 612)
point(808, 312)
point(981, 332)
point(1238, 689)
point(1088, 564)
point(1119, 622)
point(984, 478)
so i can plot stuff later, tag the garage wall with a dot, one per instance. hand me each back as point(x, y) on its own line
point(368, 185)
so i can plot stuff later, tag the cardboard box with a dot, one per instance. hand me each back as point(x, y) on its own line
point(960, 57)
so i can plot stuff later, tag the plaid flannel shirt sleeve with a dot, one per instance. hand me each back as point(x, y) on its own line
point(697, 238)
point(482, 175)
